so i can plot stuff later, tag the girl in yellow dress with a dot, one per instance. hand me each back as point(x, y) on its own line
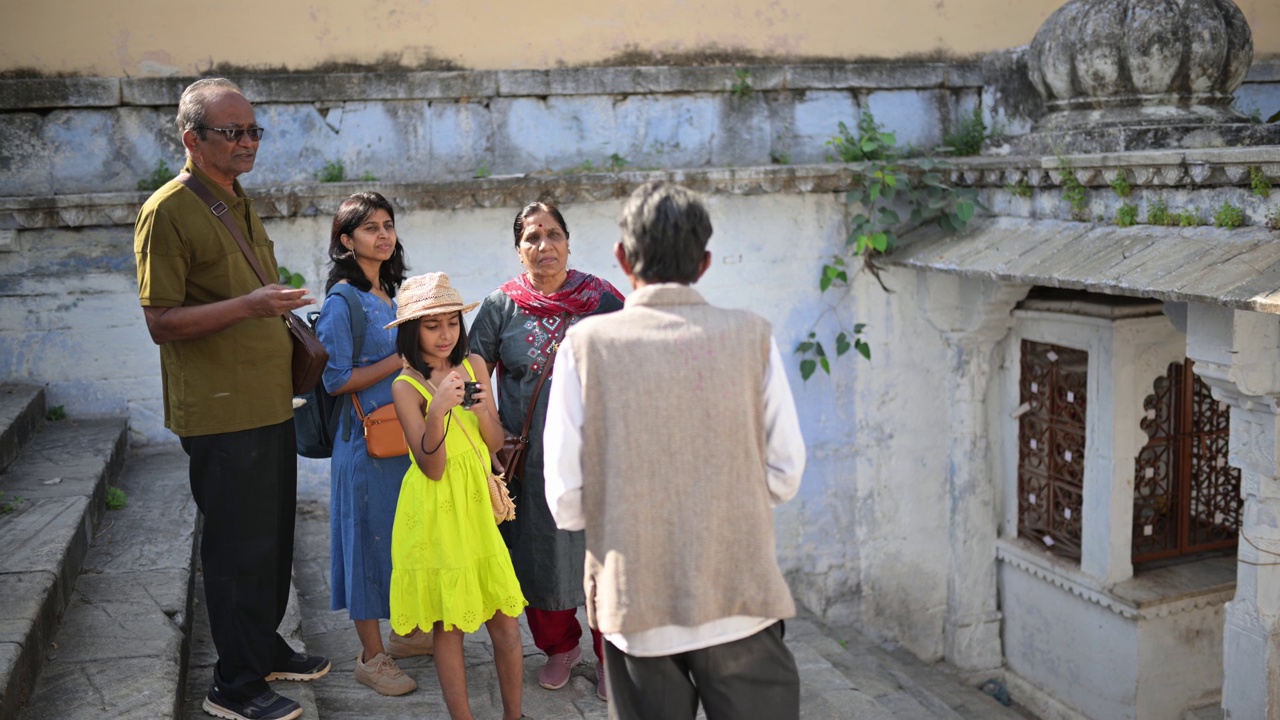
point(450, 570)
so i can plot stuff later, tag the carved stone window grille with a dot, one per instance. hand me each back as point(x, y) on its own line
point(1186, 498)
point(1051, 434)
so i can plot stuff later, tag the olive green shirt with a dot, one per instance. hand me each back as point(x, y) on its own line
point(237, 378)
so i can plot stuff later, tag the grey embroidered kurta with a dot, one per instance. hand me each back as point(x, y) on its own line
point(548, 561)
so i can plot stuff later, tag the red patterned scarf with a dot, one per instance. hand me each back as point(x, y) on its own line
point(580, 295)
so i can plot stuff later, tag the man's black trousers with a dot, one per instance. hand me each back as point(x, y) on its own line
point(246, 486)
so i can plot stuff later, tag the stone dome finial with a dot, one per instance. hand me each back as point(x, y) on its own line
point(1097, 54)
point(1137, 74)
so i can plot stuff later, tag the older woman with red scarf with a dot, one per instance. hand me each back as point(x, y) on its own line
point(517, 330)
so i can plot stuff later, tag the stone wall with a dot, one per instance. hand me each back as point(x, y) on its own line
point(865, 541)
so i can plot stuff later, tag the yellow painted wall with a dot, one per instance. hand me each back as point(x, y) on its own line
point(152, 37)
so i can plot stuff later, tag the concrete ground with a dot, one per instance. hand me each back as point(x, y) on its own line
point(843, 674)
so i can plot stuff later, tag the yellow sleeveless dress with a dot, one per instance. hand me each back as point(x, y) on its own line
point(448, 561)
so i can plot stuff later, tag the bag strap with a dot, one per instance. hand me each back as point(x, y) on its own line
point(467, 435)
point(358, 327)
point(219, 210)
point(546, 373)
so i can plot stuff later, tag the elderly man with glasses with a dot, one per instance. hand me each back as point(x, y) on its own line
point(225, 359)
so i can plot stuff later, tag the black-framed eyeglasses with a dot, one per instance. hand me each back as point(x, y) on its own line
point(233, 135)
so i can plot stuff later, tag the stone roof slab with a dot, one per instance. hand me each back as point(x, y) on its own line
point(1237, 268)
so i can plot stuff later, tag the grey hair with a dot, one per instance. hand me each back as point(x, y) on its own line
point(665, 229)
point(195, 100)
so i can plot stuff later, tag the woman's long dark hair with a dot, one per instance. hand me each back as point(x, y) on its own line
point(343, 266)
point(537, 207)
point(407, 345)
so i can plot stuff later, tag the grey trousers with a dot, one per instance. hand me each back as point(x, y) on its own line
point(754, 678)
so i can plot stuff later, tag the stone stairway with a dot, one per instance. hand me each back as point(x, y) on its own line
point(53, 483)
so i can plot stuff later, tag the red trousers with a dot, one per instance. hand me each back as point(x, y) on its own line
point(558, 631)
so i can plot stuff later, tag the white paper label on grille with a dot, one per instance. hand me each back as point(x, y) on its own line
point(1151, 414)
point(1222, 406)
point(1032, 498)
point(1221, 462)
point(1066, 513)
point(1033, 443)
point(1071, 397)
point(1149, 473)
point(1047, 540)
point(1147, 530)
point(1067, 456)
point(1053, 356)
point(1035, 388)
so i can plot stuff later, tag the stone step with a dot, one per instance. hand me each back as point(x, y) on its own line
point(22, 409)
point(58, 484)
point(119, 650)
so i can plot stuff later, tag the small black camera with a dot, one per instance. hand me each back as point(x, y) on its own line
point(469, 393)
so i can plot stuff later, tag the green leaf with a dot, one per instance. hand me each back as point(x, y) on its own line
point(806, 368)
point(857, 329)
point(869, 144)
point(863, 242)
point(862, 347)
point(889, 217)
point(891, 180)
point(296, 280)
point(964, 210)
point(888, 193)
point(888, 138)
point(804, 347)
point(826, 364)
point(817, 350)
point(880, 241)
point(875, 191)
point(842, 344)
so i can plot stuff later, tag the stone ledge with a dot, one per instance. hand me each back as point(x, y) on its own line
point(19, 95)
point(95, 92)
point(1190, 169)
point(50, 93)
point(1146, 596)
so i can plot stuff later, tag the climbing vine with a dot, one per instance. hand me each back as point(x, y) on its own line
point(888, 185)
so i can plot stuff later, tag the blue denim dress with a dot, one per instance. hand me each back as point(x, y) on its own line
point(363, 490)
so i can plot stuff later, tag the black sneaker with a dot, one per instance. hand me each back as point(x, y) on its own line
point(301, 667)
point(267, 706)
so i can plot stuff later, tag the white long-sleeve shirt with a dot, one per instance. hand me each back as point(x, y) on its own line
point(562, 471)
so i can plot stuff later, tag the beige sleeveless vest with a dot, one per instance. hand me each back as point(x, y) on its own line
point(679, 527)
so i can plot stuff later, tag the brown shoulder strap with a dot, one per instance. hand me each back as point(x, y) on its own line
point(219, 210)
point(546, 373)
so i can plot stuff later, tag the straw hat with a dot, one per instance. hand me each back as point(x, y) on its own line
point(430, 294)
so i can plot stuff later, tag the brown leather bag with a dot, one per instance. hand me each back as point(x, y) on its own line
point(309, 355)
point(383, 436)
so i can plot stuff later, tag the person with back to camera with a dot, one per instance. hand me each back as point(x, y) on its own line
point(366, 269)
point(450, 568)
point(671, 433)
point(517, 330)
